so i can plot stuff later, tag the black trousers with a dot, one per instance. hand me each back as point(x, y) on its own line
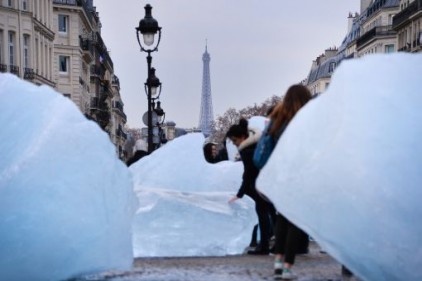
point(263, 210)
point(287, 238)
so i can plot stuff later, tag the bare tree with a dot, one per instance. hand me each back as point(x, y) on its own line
point(231, 116)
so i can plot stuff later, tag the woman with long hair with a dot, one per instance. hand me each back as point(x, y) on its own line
point(287, 235)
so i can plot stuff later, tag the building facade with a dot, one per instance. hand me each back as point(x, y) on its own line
point(58, 43)
point(377, 34)
point(27, 40)
point(383, 26)
point(408, 24)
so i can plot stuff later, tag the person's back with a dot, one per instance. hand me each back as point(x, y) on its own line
point(288, 236)
point(138, 155)
point(140, 148)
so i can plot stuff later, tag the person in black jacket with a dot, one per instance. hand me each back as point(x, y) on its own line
point(141, 148)
point(245, 139)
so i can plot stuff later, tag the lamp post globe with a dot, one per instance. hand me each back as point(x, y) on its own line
point(160, 113)
point(148, 27)
point(154, 83)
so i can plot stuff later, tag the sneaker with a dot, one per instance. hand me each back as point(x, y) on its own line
point(288, 274)
point(278, 274)
point(346, 272)
point(259, 251)
point(278, 270)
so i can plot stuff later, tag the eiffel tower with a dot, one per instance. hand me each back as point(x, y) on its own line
point(206, 116)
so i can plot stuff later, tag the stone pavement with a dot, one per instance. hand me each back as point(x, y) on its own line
point(315, 266)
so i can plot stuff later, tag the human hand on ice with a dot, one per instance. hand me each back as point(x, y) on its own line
point(233, 199)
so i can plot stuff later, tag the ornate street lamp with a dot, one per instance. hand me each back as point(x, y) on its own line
point(148, 27)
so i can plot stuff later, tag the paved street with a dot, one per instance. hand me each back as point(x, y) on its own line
point(315, 266)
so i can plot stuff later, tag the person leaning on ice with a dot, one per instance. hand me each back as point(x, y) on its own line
point(245, 140)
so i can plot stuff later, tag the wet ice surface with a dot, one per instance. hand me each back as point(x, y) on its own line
point(315, 266)
point(183, 203)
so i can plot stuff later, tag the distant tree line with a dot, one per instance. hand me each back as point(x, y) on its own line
point(221, 123)
point(232, 116)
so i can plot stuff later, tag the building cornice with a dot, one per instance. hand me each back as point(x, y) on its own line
point(44, 30)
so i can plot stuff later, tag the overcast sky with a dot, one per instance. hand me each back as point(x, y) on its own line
point(258, 49)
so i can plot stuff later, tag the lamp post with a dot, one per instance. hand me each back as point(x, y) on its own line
point(148, 27)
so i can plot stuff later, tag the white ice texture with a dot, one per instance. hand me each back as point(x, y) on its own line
point(348, 168)
point(183, 200)
point(66, 201)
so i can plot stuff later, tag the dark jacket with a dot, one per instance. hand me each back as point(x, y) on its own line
point(138, 155)
point(250, 172)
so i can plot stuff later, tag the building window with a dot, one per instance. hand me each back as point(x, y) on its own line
point(326, 85)
point(24, 5)
point(389, 48)
point(10, 3)
point(64, 64)
point(67, 96)
point(331, 67)
point(11, 48)
point(63, 23)
point(26, 50)
point(1, 46)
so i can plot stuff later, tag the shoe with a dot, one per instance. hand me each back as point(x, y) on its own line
point(346, 272)
point(302, 252)
point(259, 251)
point(288, 274)
point(278, 274)
point(278, 270)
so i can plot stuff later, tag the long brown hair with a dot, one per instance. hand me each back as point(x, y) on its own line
point(296, 97)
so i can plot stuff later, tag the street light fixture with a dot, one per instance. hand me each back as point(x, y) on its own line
point(161, 116)
point(154, 83)
point(160, 113)
point(148, 27)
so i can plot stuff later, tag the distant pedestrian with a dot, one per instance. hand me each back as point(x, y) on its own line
point(140, 149)
point(287, 235)
point(245, 140)
point(214, 155)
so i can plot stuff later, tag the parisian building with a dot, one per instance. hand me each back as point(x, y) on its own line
point(27, 40)
point(408, 25)
point(382, 26)
point(58, 43)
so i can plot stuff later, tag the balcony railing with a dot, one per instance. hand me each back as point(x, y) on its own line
point(87, 48)
point(375, 32)
point(65, 2)
point(79, 3)
point(121, 133)
point(97, 71)
point(115, 81)
point(405, 14)
point(14, 69)
point(118, 105)
point(94, 102)
point(3, 67)
point(105, 90)
point(28, 73)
